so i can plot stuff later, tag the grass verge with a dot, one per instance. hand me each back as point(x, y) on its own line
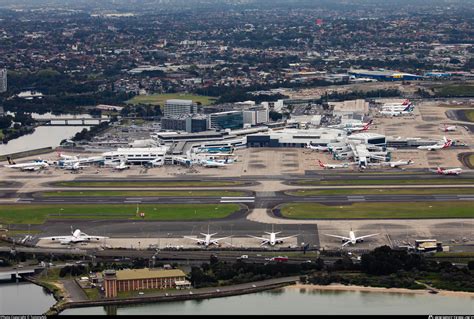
point(440, 181)
point(383, 191)
point(106, 193)
point(447, 209)
point(149, 183)
point(38, 214)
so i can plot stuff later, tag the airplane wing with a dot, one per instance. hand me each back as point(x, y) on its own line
point(346, 243)
point(371, 235)
point(95, 237)
point(56, 238)
point(193, 238)
point(283, 238)
point(340, 237)
point(217, 239)
point(261, 238)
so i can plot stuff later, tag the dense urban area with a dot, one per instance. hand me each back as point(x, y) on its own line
point(172, 150)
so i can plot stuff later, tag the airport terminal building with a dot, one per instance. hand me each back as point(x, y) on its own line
point(296, 138)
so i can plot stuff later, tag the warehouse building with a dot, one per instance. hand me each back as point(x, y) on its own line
point(385, 75)
point(140, 279)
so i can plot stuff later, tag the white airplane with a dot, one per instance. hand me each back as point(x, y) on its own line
point(122, 166)
point(209, 163)
point(67, 157)
point(74, 167)
point(447, 143)
point(450, 128)
point(76, 237)
point(395, 112)
point(317, 147)
point(398, 163)
point(362, 128)
point(344, 165)
point(397, 105)
point(352, 239)
point(32, 166)
point(452, 171)
point(207, 240)
point(273, 239)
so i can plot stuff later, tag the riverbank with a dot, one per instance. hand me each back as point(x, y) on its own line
point(340, 287)
point(178, 295)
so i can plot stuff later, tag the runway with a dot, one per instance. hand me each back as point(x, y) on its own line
point(258, 199)
point(261, 194)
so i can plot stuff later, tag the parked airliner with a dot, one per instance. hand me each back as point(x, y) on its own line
point(352, 239)
point(76, 237)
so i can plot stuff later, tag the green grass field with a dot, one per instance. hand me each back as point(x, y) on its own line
point(469, 114)
point(440, 181)
point(471, 160)
point(379, 210)
point(455, 90)
point(160, 99)
point(183, 193)
point(196, 183)
point(38, 214)
point(377, 191)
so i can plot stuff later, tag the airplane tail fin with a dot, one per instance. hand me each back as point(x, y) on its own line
point(366, 126)
point(439, 170)
point(321, 164)
point(9, 160)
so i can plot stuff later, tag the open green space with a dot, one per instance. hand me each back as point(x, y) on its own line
point(440, 181)
point(448, 254)
point(471, 160)
point(38, 214)
point(448, 209)
point(455, 90)
point(179, 193)
point(469, 115)
point(170, 183)
point(383, 191)
point(160, 99)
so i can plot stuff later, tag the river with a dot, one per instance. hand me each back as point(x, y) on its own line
point(294, 301)
point(24, 298)
point(44, 136)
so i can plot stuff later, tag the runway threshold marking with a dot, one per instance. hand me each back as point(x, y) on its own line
point(356, 198)
point(248, 199)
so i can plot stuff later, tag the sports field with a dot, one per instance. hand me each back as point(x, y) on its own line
point(38, 214)
point(160, 99)
point(379, 210)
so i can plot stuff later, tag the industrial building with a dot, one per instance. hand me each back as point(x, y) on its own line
point(140, 279)
point(353, 109)
point(176, 107)
point(385, 75)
